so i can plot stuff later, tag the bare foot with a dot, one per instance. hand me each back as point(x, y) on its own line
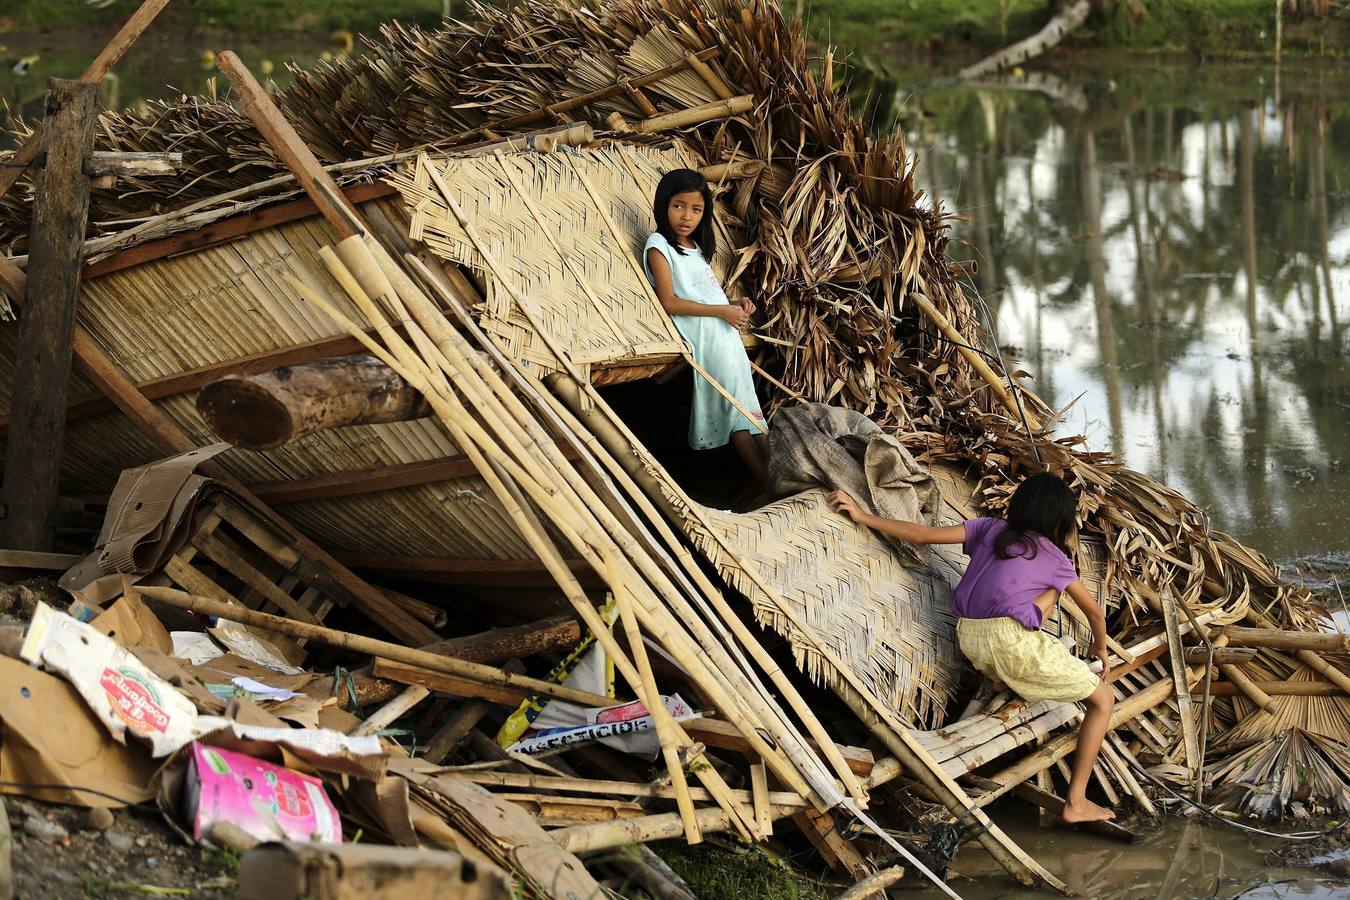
point(1085, 811)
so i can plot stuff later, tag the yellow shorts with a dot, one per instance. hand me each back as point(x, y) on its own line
point(1034, 664)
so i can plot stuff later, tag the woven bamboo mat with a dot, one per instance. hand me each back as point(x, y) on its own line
point(569, 226)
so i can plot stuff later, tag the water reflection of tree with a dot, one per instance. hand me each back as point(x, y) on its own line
point(1183, 214)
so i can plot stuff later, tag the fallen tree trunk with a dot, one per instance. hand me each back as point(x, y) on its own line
point(1054, 31)
point(263, 412)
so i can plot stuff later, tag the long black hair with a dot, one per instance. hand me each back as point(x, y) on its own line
point(1044, 505)
point(679, 181)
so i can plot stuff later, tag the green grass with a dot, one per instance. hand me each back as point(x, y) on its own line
point(318, 17)
point(723, 873)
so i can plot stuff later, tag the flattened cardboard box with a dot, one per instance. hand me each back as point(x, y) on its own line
point(290, 871)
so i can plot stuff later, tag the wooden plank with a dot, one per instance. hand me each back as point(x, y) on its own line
point(391, 711)
point(1190, 736)
point(228, 229)
point(829, 843)
point(32, 559)
point(43, 352)
point(488, 572)
point(450, 735)
point(220, 550)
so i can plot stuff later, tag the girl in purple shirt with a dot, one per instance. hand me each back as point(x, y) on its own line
point(1018, 570)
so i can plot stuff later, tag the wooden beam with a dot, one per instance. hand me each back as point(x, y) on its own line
point(228, 229)
point(87, 405)
point(366, 481)
point(28, 559)
point(486, 572)
point(103, 163)
point(1327, 642)
point(271, 409)
point(93, 74)
point(44, 349)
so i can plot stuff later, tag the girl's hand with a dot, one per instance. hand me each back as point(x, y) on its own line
point(1105, 657)
point(844, 504)
point(737, 317)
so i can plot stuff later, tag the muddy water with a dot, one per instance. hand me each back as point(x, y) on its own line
point(1169, 246)
point(1175, 859)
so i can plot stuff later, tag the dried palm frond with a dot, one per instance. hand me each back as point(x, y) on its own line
point(1295, 772)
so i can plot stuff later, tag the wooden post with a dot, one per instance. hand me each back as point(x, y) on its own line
point(266, 411)
point(46, 328)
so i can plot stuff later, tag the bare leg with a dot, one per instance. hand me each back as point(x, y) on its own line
point(1077, 807)
point(751, 448)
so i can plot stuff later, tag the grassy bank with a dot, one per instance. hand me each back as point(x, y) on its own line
point(1222, 28)
point(248, 17)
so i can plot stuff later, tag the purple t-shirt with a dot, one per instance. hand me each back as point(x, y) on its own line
point(994, 587)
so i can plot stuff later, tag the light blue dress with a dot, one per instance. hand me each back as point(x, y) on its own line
point(717, 348)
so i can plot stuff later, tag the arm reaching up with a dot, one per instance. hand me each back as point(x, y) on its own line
point(912, 532)
point(1084, 600)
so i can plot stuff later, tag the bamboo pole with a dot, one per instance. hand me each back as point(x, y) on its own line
point(976, 361)
point(456, 419)
point(697, 115)
point(570, 429)
point(371, 646)
point(630, 789)
point(1280, 689)
point(1327, 642)
point(791, 776)
point(719, 87)
point(1312, 660)
point(542, 444)
point(874, 714)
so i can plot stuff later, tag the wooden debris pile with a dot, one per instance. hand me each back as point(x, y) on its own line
point(1226, 677)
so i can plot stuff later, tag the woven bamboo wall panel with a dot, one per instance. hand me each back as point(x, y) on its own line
point(540, 221)
point(892, 625)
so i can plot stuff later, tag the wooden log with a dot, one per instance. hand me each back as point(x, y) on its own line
point(432, 616)
point(1326, 642)
point(706, 112)
point(556, 633)
point(263, 412)
point(44, 348)
point(381, 649)
point(1223, 656)
point(93, 74)
point(873, 885)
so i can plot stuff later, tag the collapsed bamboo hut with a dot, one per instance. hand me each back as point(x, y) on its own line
point(441, 365)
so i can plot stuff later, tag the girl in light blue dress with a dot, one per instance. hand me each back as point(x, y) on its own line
point(676, 262)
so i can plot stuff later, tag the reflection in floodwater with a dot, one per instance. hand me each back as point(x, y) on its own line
point(1202, 231)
